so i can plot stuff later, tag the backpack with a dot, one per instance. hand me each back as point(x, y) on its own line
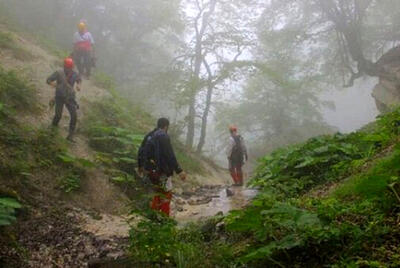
point(237, 155)
point(148, 154)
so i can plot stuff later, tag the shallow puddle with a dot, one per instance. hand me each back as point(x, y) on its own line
point(220, 202)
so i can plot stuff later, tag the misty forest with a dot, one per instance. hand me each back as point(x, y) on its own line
point(199, 133)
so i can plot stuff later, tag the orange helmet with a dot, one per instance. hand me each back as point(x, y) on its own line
point(68, 63)
point(82, 26)
point(232, 128)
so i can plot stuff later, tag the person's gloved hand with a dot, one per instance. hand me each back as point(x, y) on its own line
point(53, 84)
point(141, 171)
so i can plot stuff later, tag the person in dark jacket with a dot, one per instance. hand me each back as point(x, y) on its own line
point(158, 162)
point(64, 81)
point(237, 155)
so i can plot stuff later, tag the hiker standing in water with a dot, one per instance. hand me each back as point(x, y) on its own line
point(83, 50)
point(64, 81)
point(156, 159)
point(237, 155)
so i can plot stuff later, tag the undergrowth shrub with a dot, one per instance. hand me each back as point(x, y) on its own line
point(159, 242)
point(296, 169)
point(8, 207)
point(7, 41)
point(17, 94)
point(117, 147)
point(289, 229)
point(76, 168)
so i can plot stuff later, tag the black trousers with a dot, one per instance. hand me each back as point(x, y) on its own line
point(83, 61)
point(72, 109)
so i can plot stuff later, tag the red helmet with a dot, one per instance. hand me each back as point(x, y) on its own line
point(69, 63)
point(233, 128)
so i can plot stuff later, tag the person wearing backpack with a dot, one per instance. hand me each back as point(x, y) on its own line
point(83, 50)
point(157, 162)
point(64, 81)
point(237, 155)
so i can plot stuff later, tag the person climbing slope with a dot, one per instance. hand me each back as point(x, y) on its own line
point(64, 81)
point(83, 50)
point(156, 159)
point(237, 155)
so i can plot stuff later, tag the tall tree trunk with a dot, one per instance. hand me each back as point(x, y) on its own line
point(204, 119)
point(194, 87)
point(195, 79)
point(191, 123)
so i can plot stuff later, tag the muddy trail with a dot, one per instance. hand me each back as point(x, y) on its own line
point(66, 236)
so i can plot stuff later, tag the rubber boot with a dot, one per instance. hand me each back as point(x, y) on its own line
point(156, 203)
point(234, 178)
point(162, 204)
point(239, 178)
point(165, 207)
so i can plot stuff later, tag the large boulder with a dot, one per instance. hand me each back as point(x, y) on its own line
point(387, 92)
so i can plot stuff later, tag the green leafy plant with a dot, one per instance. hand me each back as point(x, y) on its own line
point(70, 159)
point(296, 169)
point(70, 183)
point(160, 242)
point(117, 146)
point(8, 207)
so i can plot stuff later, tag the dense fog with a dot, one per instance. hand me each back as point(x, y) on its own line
point(282, 71)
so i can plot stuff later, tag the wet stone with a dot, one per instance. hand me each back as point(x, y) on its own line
point(180, 202)
point(188, 194)
point(200, 201)
point(229, 192)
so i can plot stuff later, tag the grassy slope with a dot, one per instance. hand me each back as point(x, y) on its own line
point(332, 201)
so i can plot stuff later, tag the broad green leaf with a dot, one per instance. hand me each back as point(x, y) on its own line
point(9, 202)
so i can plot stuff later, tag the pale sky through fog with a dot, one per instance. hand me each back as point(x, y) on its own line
point(355, 106)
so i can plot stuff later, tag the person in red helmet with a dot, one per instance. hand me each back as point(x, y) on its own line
point(66, 81)
point(237, 155)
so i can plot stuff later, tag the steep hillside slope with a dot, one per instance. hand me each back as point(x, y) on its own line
point(75, 197)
